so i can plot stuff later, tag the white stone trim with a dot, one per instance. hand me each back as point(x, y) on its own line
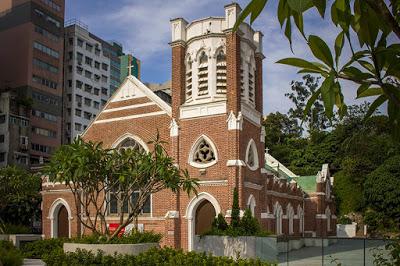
point(172, 215)
point(191, 210)
point(253, 185)
point(263, 170)
point(251, 114)
point(235, 163)
point(204, 109)
point(320, 216)
point(173, 128)
point(129, 117)
point(262, 134)
point(144, 89)
point(283, 195)
point(252, 147)
point(235, 123)
point(266, 215)
point(213, 182)
point(130, 136)
point(192, 150)
point(115, 109)
point(251, 203)
point(53, 214)
point(228, 213)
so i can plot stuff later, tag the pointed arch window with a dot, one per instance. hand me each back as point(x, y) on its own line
point(300, 215)
point(203, 153)
point(290, 215)
point(221, 73)
point(189, 79)
point(202, 74)
point(133, 143)
point(252, 155)
point(130, 143)
point(278, 218)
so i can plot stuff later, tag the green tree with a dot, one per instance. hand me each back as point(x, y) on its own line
point(382, 190)
point(315, 117)
point(235, 214)
point(91, 172)
point(249, 223)
point(279, 128)
point(19, 196)
point(374, 67)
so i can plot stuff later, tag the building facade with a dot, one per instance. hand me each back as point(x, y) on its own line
point(91, 75)
point(130, 65)
point(31, 52)
point(213, 128)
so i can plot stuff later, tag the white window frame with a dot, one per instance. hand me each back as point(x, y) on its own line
point(252, 147)
point(193, 150)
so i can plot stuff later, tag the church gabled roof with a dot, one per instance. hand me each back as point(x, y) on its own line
point(131, 100)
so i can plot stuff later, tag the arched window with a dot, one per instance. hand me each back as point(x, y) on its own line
point(290, 215)
point(203, 153)
point(300, 215)
point(278, 218)
point(202, 74)
point(251, 204)
point(221, 72)
point(328, 219)
point(252, 155)
point(130, 143)
point(189, 79)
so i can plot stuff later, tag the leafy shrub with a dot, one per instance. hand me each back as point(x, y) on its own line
point(6, 228)
point(9, 255)
point(37, 249)
point(344, 220)
point(248, 226)
point(133, 238)
point(165, 256)
point(220, 223)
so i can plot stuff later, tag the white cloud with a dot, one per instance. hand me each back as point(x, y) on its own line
point(143, 28)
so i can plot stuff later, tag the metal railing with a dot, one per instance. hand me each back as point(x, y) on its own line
point(333, 251)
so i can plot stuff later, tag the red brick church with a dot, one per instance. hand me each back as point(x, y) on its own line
point(212, 123)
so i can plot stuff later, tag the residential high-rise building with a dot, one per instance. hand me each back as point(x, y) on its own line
point(31, 79)
point(130, 65)
point(92, 71)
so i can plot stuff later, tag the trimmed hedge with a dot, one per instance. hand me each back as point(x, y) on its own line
point(36, 249)
point(9, 255)
point(165, 256)
point(39, 248)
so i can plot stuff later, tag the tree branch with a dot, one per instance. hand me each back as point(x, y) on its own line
point(381, 8)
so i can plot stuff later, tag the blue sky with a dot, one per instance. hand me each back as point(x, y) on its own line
point(143, 27)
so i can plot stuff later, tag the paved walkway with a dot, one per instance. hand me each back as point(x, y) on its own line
point(33, 262)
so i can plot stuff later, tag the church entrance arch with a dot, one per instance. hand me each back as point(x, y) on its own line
point(60, 217)
point(200, 214)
